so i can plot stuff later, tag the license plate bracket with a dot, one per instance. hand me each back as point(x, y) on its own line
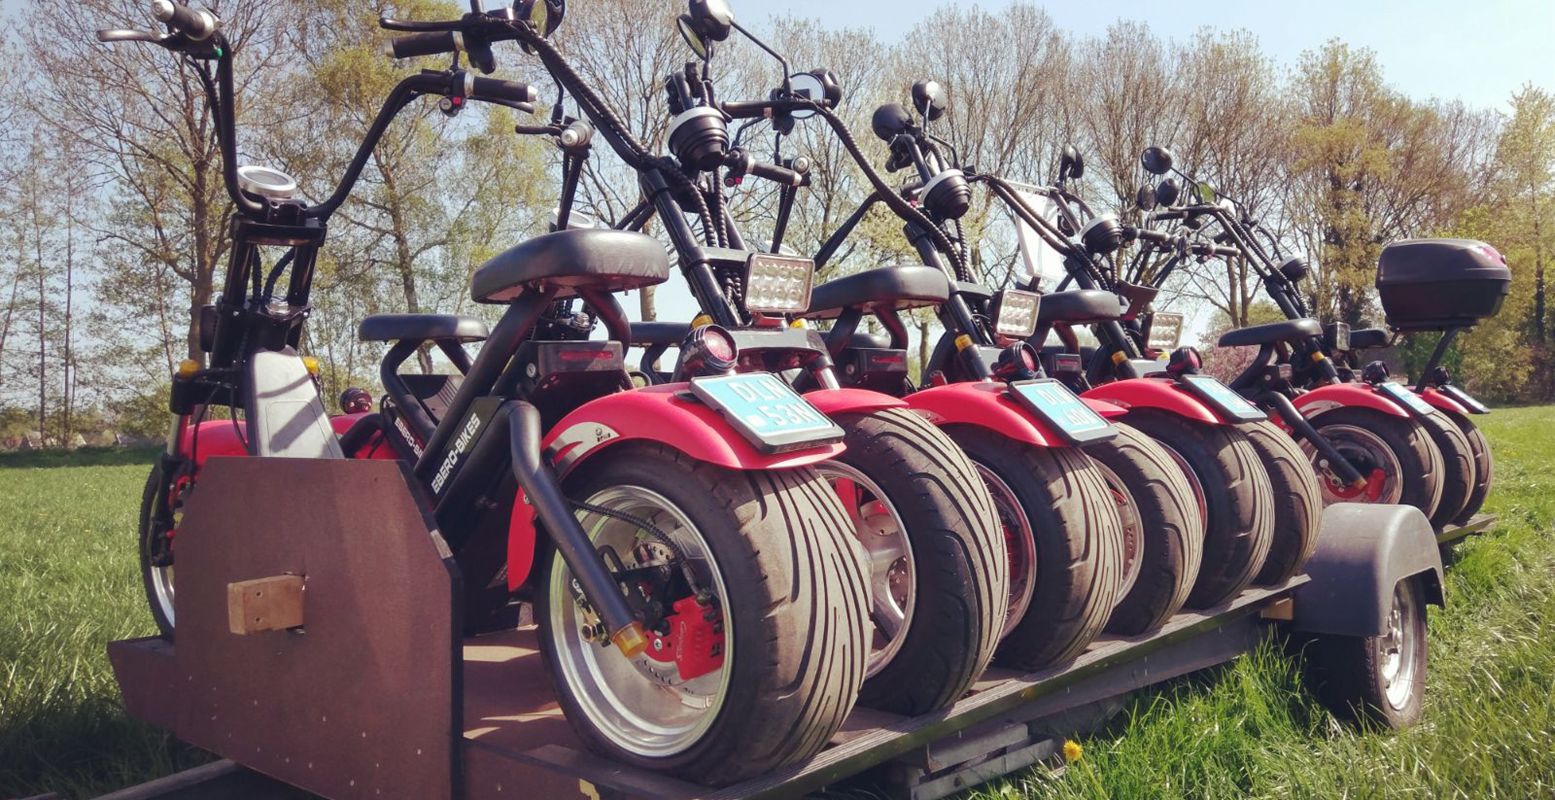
point(766, 411)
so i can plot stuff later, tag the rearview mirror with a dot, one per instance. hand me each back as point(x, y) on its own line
point(708, 21)
point(820, 85)
point(1167, 192)
point(688, 31)
point(1156, 160)
point(890, 120)
point(1145, 198)
point(1070, 164)
point(928, 97)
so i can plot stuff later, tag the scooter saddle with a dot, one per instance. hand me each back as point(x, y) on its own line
point(1271, 333)
point(420, 327)
point(1079, 307)
point(572, 260)
point(883, 289)
point(1368, 338)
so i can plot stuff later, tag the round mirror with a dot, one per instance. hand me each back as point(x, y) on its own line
point(544, 16)
point(1156, 160)
point(890, 120)
point(808, 86)
point(1145, 198)
point(928, 97)
point(1167, 192)
point(1070, 164)
point(713, 18)
point(687, 28)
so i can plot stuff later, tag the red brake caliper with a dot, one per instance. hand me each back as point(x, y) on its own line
point(695, 643)
point(1372, 488)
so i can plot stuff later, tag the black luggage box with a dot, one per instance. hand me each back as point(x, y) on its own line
point(1441, 283)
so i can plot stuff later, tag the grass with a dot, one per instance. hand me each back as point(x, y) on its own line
point(68, 585)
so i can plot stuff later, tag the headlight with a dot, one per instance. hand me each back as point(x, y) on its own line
point(1338, 336)
point(1015, 313)
point(1165, 331)
point(776, 284)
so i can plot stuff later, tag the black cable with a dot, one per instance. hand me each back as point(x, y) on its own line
point(653, 532)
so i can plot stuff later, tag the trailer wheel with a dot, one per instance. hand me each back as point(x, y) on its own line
point(1458, 473)
point(1484, 467)
point(1298, 502)
point(1377, 679)
point(1396, 450)
point(1163, 533)
point(934, 553)
point(1060, 500)
point(1234, 496)
point(155, 536)
point(754, 672)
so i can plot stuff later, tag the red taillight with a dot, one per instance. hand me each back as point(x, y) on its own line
point(1029, 358)
point(720, 345)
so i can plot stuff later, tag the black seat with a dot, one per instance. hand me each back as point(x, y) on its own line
point(397, 327)
point(882, 289)
point(1272, 332)
point(569, 260)
point(1079, 307)
point(665, 334)
point(1368, 338)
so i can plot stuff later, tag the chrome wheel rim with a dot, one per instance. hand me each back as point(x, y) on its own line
point(162, 589)
point(887, 553)
point(1399, 655)
point(638, 704)
point(1133, 528)
point(1358, 444)
point(1020, 546)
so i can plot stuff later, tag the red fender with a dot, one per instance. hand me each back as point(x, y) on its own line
point(215, 437)
point(1342, 395)
point(985, 404)
point(1443, 402)
point(1104, 408)
point(655, 414)
point(1158, 393)
point(851, 401)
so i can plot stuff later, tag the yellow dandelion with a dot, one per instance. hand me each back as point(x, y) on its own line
point(1072, 750)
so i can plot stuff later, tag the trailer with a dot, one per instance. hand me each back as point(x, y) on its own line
point(320, 653)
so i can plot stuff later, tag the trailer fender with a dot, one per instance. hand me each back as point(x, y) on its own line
point(1363, 551)
point(1345, 395)
point(1443, 402)
point(1158, 393)
point(984, 404)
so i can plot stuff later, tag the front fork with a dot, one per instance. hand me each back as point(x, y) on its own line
point(1302, 429)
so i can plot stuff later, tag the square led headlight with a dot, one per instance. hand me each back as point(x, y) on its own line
point(1165, 331)
point(778, 284)
point(1014, 313)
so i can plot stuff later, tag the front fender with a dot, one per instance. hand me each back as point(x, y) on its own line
point(851, 401)
point(1443, 402)
point(984, 404)
point(214, 437)
point(1158, 393)
point(1345, 395)
point(1363, 551)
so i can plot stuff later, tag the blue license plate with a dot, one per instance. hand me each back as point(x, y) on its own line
point(1223, 398)
point(1402, 395)
point(766, 411)
point(1062, 410)
point(1464, 399)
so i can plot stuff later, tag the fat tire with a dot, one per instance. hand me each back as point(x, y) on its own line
point(797, 600)
point(1346, 673)
point(1079, 545)
point(962, 577)
point(1171, 539)
point(1238, 500)
point(1484, 466)
point(148, 498)
point(1458, 474)
point(1298, 502)
point(1418, 456)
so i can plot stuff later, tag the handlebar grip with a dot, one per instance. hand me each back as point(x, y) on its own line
point(745, 109)
point(1227, 252)
point(776, 174)
point(499, 89)
point(424, 44)
point(1168, 215)
point(196, 25)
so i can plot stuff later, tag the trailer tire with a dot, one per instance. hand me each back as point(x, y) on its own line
point(1298, 502)
point(1376, 680)
point(1236, 499)
point(1163, 533)
point(1484, 467)
point(777, 547)
point(1078, 542)
point(953, 559)
point(1459, 475)
point(1418, 460)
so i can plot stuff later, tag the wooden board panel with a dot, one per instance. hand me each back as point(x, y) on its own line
point(362, 701)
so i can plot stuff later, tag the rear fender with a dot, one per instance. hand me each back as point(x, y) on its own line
point(1363, 551)
point(1108, 410)
point(1159, 393)
point(1443, 402)
point(984, 404)
point(1345, 395)
point(851, 401)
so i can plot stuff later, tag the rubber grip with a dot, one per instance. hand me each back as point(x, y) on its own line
point(499, 89)
point(423, 44)
point(776, 174)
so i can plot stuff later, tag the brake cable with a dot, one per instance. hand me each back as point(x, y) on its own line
point(655, 533)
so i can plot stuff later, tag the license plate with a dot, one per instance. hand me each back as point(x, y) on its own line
point(766, 411)
point(1464, 399)
point(1402, 395)
point(1223, 398)
point(1063, 410)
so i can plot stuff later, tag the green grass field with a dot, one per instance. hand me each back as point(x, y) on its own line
point(68, 585)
